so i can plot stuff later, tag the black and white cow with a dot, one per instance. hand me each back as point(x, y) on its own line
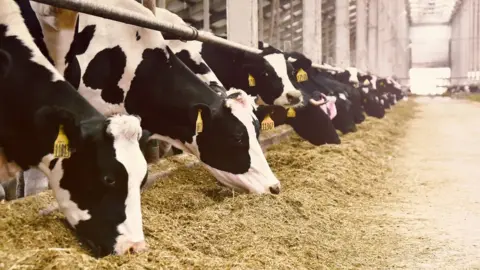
point(370, 96)
point(309, 124)
point(266, 75)
point(349, 77)
point(323, 82)
point(98, 186)
point(120, 67)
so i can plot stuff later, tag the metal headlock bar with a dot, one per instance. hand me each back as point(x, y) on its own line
point(169, 30)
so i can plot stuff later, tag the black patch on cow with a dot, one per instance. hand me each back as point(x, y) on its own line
point(79, 46)
point(34, 27)
point(105, 71)
point(137, 36)
point(185, 57)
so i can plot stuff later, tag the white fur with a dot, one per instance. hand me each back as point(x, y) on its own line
point(342, 96)
point(374, 82)
point(353, 75)
point(126, 131)
point(365, 90)
point(277, 61)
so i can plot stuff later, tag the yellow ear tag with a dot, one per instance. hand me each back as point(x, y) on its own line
point(381, 83)
point(366, 82)
point(291, 113)
point(199, 123)
point(251, 80)
point(61, 148)
point(302, 75)
point(267, 123)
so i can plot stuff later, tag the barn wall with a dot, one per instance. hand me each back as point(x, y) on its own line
point(465, 43)
point(430, 45)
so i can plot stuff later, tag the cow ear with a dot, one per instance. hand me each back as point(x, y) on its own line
point(48, 121)
point(5, 64)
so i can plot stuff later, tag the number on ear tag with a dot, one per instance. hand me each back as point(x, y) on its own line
point(61, 148)
point(267, 123)
point(302, 75)
point(251, 80)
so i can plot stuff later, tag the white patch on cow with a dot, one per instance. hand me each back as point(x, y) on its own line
point(126, 131)
point(365, 90)
point(68, 207)
point(342, 96)
point(353, 75)
point(376, 98)
point(291, 59)
point(382, 102)
point(374, 82)
point(277, 61)
point(10, 15)
point(266, 45)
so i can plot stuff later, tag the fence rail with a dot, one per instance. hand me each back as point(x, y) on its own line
point(176, 31)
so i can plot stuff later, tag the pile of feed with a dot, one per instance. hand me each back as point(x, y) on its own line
point(191, 222)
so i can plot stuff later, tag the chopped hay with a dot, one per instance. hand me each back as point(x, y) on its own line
point(191, 222)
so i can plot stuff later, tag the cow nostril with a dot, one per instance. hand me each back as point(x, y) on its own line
point(275, 189)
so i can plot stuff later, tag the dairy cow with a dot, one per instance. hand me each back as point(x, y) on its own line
point(322, 82)
point(303, 123)
point(120, 67)
point(370, 97)
point(265, 75)
point(349, 78)
point(97, 179)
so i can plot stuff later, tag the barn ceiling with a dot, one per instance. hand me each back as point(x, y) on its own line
point(432, 11)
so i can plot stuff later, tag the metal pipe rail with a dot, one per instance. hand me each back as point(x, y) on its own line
point(176, 31)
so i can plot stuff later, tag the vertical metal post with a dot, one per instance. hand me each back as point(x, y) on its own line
point(242, 21)
point(312, 29)
point(260, 20)
point(361, 28)
point(342, 38)
point(161, 4)
point(206, 15)
point(372, 35)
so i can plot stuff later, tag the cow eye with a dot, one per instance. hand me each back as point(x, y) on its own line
point(109, 181)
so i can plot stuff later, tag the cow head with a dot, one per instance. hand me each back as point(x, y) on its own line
point(310, 121)
point(270, 71)
point(172, 104)
point(98, 185)
point(349, 76)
